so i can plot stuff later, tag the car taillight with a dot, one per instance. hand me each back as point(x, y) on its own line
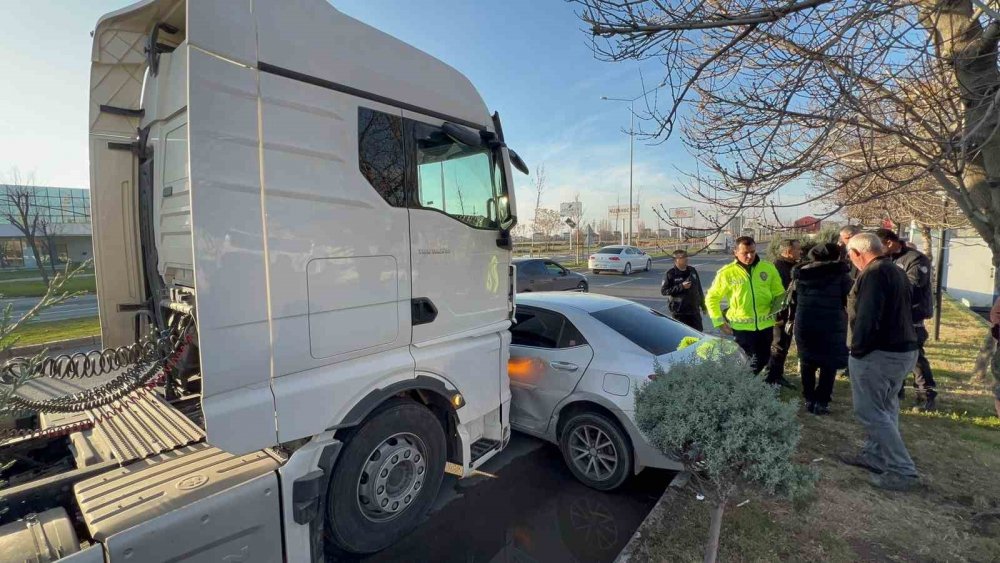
point(615, 259)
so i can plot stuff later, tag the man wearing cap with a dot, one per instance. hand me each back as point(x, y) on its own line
point(918, 271)
point(683, 285)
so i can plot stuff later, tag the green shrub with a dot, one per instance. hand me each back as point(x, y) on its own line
point(727, 427)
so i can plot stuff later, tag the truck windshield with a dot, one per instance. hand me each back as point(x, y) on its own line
point(461, 181)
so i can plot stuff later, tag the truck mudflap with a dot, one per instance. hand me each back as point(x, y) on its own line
point(197, 503)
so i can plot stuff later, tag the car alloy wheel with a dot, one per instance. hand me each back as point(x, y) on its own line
point(593, 451)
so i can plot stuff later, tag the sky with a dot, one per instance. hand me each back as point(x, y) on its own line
point(529, 59)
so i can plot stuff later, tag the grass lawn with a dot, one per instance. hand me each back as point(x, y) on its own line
point(33, 273)
point(955, 516)
point(51, 331)
point(37, 288)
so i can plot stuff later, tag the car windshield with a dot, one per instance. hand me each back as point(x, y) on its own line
point(610, 250)
point(646, 328)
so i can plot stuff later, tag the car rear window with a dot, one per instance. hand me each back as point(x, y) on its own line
point(652, 331)
point(610, 250)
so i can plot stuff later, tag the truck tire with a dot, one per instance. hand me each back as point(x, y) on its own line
point(387, 478)
point(596, 451)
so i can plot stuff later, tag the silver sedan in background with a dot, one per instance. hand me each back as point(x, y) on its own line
point(575, 361)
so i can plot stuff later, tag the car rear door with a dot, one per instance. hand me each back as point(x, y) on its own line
point(548, 356)
point(536, 277)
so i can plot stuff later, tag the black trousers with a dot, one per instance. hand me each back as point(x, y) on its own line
point(780, 344)
point(693, 321)
point(821, 393)
point(757, 345)
point(923, 379)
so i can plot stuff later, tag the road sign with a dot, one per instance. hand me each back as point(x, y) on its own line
point(570, 222)
point(571, 208)
point(681, 213)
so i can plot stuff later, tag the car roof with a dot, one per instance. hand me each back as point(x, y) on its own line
point(561, 300)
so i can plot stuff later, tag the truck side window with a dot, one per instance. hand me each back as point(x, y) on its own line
point(457, 180)
point(380, 154)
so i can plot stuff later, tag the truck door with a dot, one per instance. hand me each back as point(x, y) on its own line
point(460, 275)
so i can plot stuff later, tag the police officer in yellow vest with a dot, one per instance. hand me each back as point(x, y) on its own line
point(752, 288)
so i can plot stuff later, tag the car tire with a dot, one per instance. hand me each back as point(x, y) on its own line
point(596, 450)
point(403, 441)
point(628, 269)
point(596, 272)
point(649, 264)
point(582, 287)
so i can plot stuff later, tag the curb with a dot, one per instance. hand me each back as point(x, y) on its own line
point(676, 484)
point(57, 346)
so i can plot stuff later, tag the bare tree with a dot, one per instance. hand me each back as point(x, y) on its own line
point(811, 92)
point(538, 185)
point(547, 222)
point(49, 230)
point(19, 208)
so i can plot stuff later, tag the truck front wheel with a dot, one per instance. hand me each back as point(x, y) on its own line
point(387, 478)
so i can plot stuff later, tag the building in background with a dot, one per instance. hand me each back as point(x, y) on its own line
point(807, 225)
point(66, 214)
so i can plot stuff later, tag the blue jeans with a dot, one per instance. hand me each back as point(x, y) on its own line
point(875, 383)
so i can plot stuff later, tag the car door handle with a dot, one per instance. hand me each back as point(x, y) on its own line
point(564, 366)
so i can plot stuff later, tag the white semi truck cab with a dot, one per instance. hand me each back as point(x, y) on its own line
point(313, 220)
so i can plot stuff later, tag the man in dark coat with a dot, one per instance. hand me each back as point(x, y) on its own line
point(883, 349)
point(917, 267)
point(819, 300)
point(781, 340)
point(846, 233)
point(683, 285)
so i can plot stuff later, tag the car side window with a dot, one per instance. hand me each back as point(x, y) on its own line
point(533, 268)
point(553, 268)
point(544, 329)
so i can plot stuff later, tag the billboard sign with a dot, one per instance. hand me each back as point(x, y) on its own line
point(622, 210)
point(681, 212)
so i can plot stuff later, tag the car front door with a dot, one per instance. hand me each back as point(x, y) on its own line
point(559, 277)
point(548, 356)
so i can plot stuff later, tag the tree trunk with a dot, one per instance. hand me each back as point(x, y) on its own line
point(714, 532)
point(33, 246)
point(53, 259)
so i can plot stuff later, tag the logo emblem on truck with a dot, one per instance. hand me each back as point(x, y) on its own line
point(192, 481)
point(492, 276)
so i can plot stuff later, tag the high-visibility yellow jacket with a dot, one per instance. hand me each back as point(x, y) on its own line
point(754, 295)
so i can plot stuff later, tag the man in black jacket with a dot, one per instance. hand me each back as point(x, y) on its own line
point(917, 267)
point(883, 348)
point(682, 284)
point(781, 341)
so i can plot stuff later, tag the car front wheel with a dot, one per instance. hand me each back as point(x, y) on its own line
point(596, 450)
point(649, 264)
point(582, 286)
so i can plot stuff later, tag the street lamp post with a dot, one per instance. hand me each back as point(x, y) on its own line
point(631, 152)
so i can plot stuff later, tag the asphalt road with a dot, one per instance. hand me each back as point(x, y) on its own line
point(644, 287)
point(82, 306)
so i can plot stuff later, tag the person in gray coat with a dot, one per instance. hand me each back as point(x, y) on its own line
point(819, 290)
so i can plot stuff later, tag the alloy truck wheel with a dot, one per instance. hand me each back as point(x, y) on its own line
point(596, 451)
point(628, 269)
point(387, 478)
point(649, 264)
point(582, 286)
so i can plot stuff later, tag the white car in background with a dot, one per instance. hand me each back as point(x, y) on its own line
point(575, 360)
point(619, 258)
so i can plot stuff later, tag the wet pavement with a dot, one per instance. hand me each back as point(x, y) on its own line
point(527, 507)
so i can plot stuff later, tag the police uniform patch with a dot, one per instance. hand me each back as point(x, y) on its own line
point(763, 276)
